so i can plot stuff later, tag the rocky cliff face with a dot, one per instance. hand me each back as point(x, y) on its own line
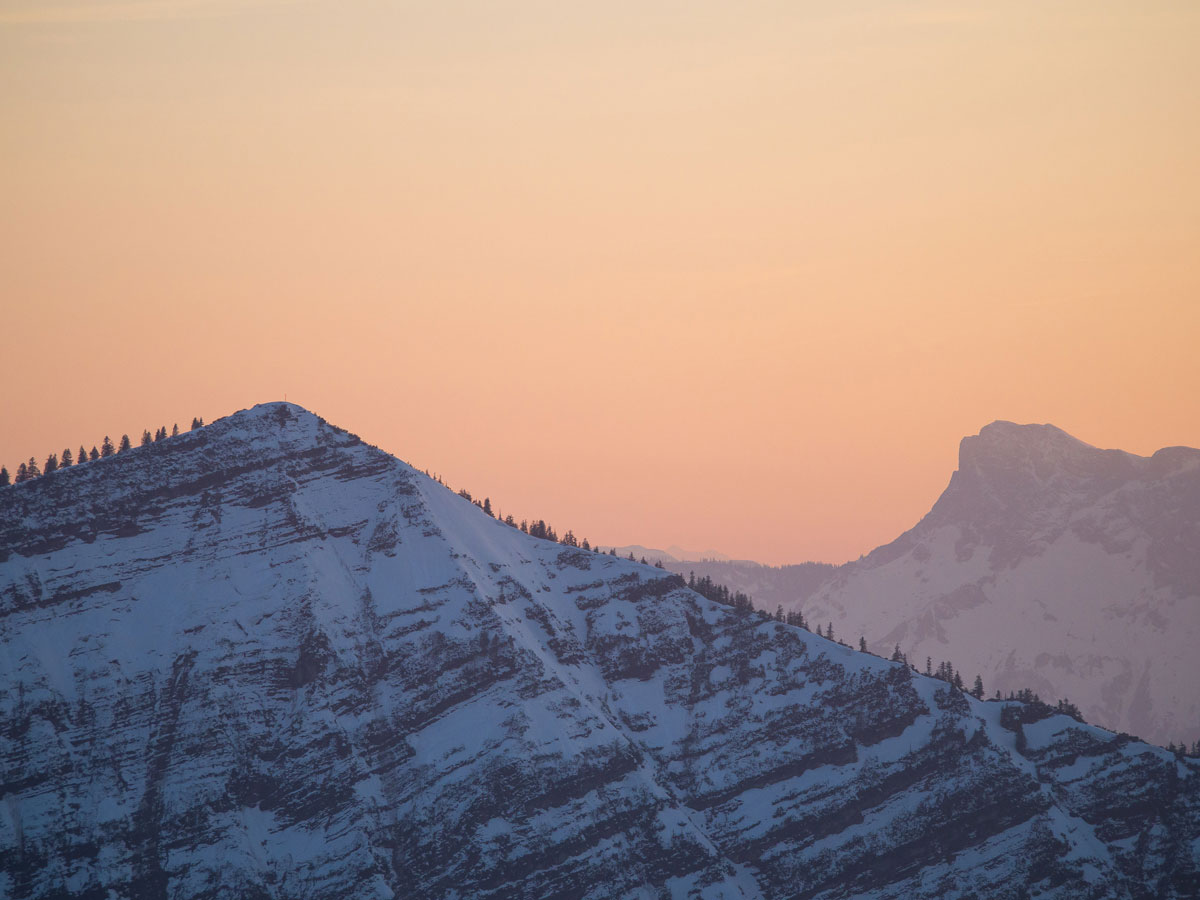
point(1052, 565)
point(263, 659)
point(1046, 564)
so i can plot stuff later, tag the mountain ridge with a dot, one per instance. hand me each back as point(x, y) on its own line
point(266, 658)
point(1095, 552)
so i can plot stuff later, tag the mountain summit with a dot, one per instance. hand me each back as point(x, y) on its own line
point(264, 659)
point(1052, 565)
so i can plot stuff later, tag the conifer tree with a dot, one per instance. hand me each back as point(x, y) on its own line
point(585, 545)
point(929, 665)
point(51, 463)
point(107, 448)
point(195, 423)
point(83, 456)
point(977, 690)
point(161, 434)
point(31, 468)
point(146, 439)
point(67, 460)
point(4, 480)
point(22, 473)
point(897, 656)
point(125, 444)
point(487, 505)
point(862, 644)
point(175, 430)
point(95, 454)
point(829, 631)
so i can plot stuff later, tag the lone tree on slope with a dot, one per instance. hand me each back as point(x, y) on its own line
point(107, 448)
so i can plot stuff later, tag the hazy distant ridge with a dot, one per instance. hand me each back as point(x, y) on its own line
point(1046, 563)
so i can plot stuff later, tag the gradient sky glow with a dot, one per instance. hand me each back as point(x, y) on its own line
point(723, 275)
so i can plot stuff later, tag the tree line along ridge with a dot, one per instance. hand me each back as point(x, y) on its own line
point(27, 471)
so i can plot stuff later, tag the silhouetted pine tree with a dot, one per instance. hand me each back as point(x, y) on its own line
point(125, 444)
point(146, 439)
point(161, 434)
point(22, 474)
point(862, 644)
point(83, 457)
point(107, 448)
point(51, 463)
point(4, 479)
point(67, 460)
point(977, 689)
point(95, 454)
point(175, 430)
point(31, 468)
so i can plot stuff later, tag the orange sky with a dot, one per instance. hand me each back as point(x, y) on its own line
point(723, 275)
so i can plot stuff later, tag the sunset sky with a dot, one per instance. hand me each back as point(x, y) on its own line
point(723, 275)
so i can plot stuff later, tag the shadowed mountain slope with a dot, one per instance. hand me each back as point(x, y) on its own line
point(263, 659)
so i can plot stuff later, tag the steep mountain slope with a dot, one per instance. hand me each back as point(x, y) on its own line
point(1048, 564)
point(263, 659)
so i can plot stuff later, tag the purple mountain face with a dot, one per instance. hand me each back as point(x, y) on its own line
point(263, 659)
point(1046, 564)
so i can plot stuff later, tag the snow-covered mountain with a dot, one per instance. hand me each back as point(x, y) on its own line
point(263, 659)
point(1046, 564)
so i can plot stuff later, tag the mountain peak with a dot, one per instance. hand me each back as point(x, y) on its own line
point(263, 658)
point(1003, 441)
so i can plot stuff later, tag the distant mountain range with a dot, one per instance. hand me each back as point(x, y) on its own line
point(673, 553)
point(263, 659)
point(1046, 564)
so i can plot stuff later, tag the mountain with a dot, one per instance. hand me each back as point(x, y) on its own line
point(674, 553)
point(1046, 564)
point(263, 659)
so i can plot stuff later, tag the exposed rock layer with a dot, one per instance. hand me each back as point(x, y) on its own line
point(264, 659)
